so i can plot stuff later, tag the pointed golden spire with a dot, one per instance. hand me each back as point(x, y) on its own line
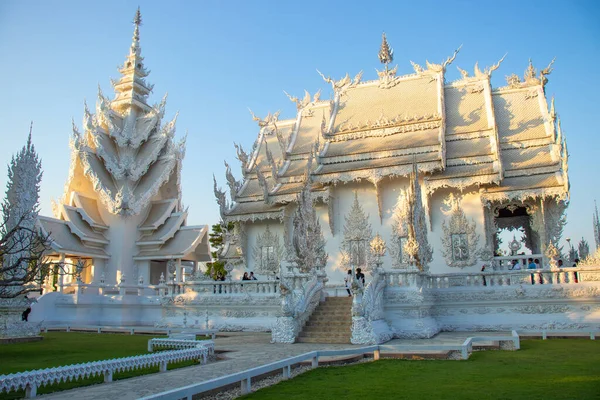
point(386, 53)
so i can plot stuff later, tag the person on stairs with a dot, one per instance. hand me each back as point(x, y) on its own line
point(348, 282)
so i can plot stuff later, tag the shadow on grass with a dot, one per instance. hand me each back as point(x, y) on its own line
point(552, 369)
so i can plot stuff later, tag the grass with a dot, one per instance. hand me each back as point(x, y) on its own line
point(551, 369)
point(62, 348)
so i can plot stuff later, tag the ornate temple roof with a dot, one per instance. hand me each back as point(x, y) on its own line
point(461, 133)
point(125, 163)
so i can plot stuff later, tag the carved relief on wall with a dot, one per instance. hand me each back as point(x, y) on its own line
point(357, 235)
point(268, 252)
point(400, 232)
point(459, 239)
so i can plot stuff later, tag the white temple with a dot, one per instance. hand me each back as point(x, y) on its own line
point(121, 220)
point(481, 159)
point(410, 178)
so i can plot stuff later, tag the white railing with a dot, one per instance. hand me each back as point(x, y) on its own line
point(32, 380)
point(106, 289)
point(220, 288)
point(403, 278)
point(297, 305)
point(506, 263)
point(181, 344)
point(560, 276)
point(245, 377)
point(516, 277)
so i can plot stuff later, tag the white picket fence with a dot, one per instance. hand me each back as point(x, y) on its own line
point(32, 380)
point(181, 344)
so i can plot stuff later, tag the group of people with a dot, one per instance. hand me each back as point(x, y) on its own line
point(360, 277)
point(250, 277)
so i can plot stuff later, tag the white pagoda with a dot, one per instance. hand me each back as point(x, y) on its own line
point(121, 216)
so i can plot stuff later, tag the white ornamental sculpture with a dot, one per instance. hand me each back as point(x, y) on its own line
point(268, 253)
point(308, 242)
point(400, 232)
point(357, 235)
point(19, 212)
point(121, 206)
point(418, 242)
point(459, 239)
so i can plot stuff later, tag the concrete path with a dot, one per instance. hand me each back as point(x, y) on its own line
point(244, 351)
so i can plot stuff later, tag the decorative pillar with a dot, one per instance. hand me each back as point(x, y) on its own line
point(61, 273)
point(178, 272)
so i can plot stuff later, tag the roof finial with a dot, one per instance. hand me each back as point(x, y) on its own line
point(137, 21)
point(386, 53)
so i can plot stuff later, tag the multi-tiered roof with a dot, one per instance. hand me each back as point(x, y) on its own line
point(126, 163)
point(462, 133)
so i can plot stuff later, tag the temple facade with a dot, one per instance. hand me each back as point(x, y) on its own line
point(412, 158)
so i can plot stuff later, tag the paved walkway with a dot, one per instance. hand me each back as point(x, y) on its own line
point(245, 351)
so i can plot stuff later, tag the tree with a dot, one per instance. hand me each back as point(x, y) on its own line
point(22, 245)
point(217, 241)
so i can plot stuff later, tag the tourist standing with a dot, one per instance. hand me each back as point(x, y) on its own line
point(360, 276)
point(531, 265)
point(252, 277)
point(348, 282)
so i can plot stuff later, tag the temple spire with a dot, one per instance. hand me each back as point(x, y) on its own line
point(386, 53)
point(596, 221)
point(132, 89)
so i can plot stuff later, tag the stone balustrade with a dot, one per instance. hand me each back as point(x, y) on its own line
point(220, 288)
point(492, 278)
point(505, 263)
point(32, 380)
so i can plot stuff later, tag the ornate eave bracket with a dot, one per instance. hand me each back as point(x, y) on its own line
point(221, 199)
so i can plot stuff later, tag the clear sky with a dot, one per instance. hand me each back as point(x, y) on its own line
point(216, 59)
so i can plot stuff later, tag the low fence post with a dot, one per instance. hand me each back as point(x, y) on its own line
point(162, 366)
point(376, 355)
point(287, 372)
point(246, 385)
point(30, 390)
point(315, 361)
point(516, 340)
point(108, 376)
point(150, 346)
point(592, 336)
point(544, 336)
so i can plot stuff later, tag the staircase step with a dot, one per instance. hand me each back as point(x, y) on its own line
point(330, 322)
point(330, 339)
point(327, 329)
point(340, 323)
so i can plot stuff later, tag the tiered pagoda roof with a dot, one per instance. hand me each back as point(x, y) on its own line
point(461, 133)
point(126, 163)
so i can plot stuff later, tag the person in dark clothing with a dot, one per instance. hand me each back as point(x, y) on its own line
point(360, 276)
point(25, 314)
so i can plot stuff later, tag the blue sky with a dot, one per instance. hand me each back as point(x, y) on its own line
point(216, 59)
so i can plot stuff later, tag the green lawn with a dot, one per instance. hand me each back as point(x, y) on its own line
point(551, 369)
point(62, 348)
